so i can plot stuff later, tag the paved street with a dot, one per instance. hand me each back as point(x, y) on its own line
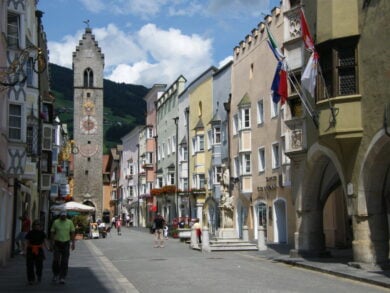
point(129, 263)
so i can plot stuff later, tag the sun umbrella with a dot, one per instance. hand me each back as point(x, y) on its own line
point(72, 206)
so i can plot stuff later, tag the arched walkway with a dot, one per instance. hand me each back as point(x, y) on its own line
point(321, 219)
point(373, 212)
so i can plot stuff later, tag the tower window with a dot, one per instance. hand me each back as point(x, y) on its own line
point(88, 78)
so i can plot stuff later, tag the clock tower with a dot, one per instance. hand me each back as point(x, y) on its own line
point(88, 64)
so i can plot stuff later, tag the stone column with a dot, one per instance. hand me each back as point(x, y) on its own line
point(245, 233)
point(205, 239)
point(261, 239)
point(199, 212)
point(368, 249)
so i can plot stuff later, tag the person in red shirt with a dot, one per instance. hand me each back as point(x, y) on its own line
point(20, 240)
point(35, 241)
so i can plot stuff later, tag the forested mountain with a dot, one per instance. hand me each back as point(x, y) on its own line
point(124, 107)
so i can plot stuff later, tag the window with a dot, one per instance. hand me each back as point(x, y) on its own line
point(260, 112)
point(13, 31)
point(217, 174)
point(159, 182)
point(209, 138)
point(169, 146)
point(15, 122)
point(88, 78)
point(246, 118)
point(171, 178)
point(30, 72)
point(184, 183)
point(236, 168)
point(261, 159)
point(275, 156)
point(339, 68)
point(130, 190)
point(201, 181)
point(184, 153)
point(274, 109)
point(31, 140)
point(149, 133)
point(198, 143)
point(217, 134)
point(246, 164)
point(174, 144)
point(149, 158)
point(235, 124)
point(159, 153)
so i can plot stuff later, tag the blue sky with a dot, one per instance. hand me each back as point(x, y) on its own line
point(152, 41)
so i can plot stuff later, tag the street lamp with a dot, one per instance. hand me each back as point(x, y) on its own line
point(176, 119)
point(138, 203)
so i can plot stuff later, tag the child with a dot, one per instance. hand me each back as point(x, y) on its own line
point(166, 232)
point(35, 240)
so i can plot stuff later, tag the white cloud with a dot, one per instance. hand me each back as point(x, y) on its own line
point(150, 55)
point(94, 6)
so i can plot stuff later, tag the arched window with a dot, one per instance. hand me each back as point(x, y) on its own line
point(88, 78)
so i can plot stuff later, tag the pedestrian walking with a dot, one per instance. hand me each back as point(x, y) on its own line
point(118, 225)
point(62, 235)
point(127, 220)
point(35, 255)
point(21, 239)
point(113, 222)
point(198, 230)
point(159, 224)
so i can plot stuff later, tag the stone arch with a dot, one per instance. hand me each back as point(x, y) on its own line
point(88, 78)
point(371, 244)
point(323, 174)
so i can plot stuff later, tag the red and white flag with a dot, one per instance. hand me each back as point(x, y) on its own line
point(309, 76)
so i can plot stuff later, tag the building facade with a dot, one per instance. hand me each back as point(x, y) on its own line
point(26, 115)
point(200, 115)
point(167, 131)
point(347, 167)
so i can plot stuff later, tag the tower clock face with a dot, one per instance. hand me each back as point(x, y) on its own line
point(88, 125)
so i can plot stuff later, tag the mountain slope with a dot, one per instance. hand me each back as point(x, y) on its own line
point(124, 107)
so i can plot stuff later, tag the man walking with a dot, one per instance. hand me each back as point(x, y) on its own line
point(62, 235)
point(159, 224)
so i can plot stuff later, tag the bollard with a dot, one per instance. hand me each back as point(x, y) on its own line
point(261, 239)
point(205, 239)
point(245, 233)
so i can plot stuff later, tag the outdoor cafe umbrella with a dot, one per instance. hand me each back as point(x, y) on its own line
point(72, 206)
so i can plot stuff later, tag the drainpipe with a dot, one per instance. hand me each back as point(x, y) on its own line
point(187, 111)
point(227, 109)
